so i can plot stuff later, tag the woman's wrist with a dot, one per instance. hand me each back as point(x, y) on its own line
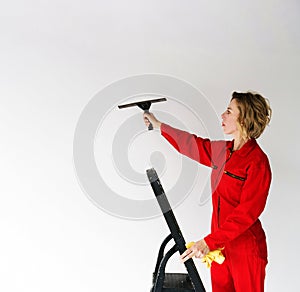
point(159, 125)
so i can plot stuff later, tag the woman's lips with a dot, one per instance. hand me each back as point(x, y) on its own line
point(223, 125)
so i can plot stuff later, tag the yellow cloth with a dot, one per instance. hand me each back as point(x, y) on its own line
point(214, 255)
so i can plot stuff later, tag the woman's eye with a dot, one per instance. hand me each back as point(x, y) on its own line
point(228, 112)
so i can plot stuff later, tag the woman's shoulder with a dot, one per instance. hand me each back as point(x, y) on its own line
point(258, 155)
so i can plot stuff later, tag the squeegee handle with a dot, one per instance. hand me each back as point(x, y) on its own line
point(150, 127)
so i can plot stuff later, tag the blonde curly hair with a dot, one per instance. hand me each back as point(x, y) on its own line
point(255, 113)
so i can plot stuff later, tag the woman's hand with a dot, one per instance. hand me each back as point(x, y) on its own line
point(150, 118)
point(198, 250)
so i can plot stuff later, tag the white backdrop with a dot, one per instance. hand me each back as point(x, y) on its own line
point(56, 55)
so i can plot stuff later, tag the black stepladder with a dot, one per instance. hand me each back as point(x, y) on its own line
point(171, 282)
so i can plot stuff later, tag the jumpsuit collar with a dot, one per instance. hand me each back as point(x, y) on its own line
point(247, 147)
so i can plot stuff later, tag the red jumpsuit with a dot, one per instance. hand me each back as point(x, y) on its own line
point(240, 182)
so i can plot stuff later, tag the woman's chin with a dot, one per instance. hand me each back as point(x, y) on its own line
point(227, 132)
point(224, 131)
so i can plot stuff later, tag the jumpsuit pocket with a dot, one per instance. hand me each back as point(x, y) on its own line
point(234, 175)
point(251, 244)
point(260, 244)
point(231, 186)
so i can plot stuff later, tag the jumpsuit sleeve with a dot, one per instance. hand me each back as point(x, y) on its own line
point(190, 145)
point(252, 203)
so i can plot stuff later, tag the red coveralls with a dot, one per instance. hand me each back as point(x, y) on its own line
point(240, 182)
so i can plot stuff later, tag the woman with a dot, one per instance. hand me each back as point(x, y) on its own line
point(240, 181)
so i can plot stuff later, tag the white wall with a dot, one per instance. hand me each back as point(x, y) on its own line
point(56, 55)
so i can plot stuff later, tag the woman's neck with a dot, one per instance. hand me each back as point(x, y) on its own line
point(238, 143)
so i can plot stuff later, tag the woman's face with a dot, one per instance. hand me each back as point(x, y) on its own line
point(230, 119)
